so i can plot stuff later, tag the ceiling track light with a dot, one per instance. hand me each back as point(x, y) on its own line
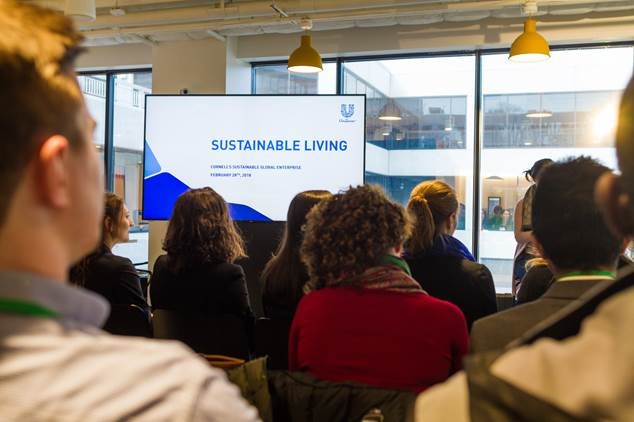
point(305, 59)
point(530, 46)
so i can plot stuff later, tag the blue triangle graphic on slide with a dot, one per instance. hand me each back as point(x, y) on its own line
point(152, 165)
point(163, 189)
point(161, 192)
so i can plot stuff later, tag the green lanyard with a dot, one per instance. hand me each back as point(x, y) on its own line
point(20, 307)
point(609, 274)
point(395, 260)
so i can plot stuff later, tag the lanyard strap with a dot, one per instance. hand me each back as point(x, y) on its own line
point(399, 262)
point(609, 274)
point(20, 307)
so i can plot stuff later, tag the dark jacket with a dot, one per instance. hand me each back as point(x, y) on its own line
point(212, 289)
point(567, 323)
point(466, 284)
point(539, 278)
point(534, 284)
point(496, 331)
point(115, 278)
point(298, 397)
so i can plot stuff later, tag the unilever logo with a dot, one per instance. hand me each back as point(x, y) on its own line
point(347, 110)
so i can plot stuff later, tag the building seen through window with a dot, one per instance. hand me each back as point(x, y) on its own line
point(554, 109)
point(126, 172)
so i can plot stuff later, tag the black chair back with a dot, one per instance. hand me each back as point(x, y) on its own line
point(217, 335)
point(128, 320)
point(271, 339)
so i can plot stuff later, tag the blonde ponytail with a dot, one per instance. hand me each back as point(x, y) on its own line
point(422, 236)
point(430, 205)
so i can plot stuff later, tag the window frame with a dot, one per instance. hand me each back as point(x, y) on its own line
point(108, 146)
point(478, 126)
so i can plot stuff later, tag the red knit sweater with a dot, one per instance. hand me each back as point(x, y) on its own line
point(394, 340)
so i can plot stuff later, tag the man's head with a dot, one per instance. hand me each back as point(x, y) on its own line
point(615, 194)
point(50, 181)
point(566, 221)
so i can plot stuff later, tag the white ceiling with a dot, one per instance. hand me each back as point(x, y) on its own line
point(155, 21)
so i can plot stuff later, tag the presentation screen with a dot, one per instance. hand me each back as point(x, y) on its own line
point(256, 151)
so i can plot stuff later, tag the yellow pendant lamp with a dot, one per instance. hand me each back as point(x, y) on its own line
point(530, 46)
point(305, 59)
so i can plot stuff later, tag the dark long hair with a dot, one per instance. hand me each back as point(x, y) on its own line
point(284, 275)
point(112, 211)
point(201, 231)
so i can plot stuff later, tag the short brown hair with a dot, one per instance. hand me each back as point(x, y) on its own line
point(349, 233)
point(201, 231)
point(40, 96)
point(430, 203)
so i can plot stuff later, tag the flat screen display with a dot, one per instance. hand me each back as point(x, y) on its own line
point(256, 151)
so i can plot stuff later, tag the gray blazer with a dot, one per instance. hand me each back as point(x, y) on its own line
point(496, 331)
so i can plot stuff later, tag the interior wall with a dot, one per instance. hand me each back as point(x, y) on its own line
point(125, 56)
point(238, 72)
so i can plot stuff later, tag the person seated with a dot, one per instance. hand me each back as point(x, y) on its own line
point(539, 278)
point(495, 221)
point(284, 276)
point(113, 277)
point(57, 365)
point(441, 264)
point(365, 319)
point(536, 281)
point(577, 244)
point(197, 275)
point(578, 364)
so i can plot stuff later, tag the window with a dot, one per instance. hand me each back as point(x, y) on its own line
point(121, 145)
point(566, 106)
point(130, 90)
point(276, 79)
point(94, 88)
point(562, 107)
point(435, 100)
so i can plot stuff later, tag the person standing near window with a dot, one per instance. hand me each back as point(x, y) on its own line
point(523, 229)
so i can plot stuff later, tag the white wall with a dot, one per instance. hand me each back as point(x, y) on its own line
point(238, 72)
point(126, 56)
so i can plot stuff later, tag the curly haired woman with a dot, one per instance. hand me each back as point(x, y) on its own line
point(365, 319)
point(198, 275)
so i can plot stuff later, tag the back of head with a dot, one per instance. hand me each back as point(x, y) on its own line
point(351, 232)
point(285, 274)
point(113, 207)
point(567, 222)
point(533, 173)
point(40, 96)
point(201, 231)
point(430, 204)
point(298, 209)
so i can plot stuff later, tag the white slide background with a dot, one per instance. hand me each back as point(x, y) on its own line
point(179, 130)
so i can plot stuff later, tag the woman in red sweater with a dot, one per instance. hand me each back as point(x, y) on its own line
point(365, 319)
